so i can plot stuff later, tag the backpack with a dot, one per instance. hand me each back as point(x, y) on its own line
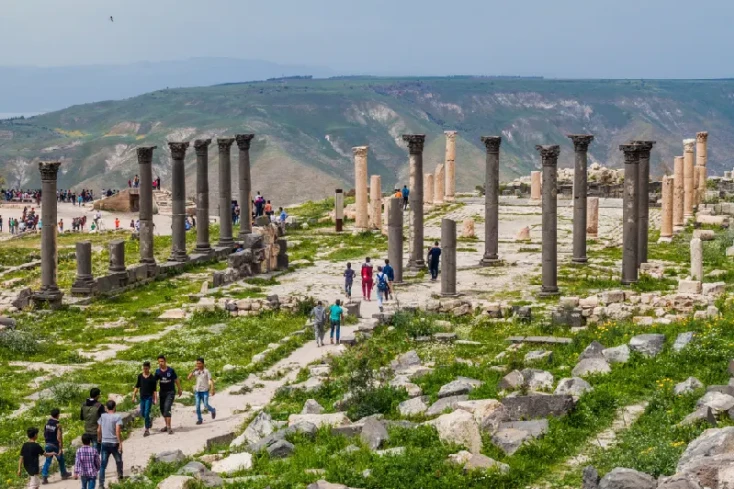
point(381, 282)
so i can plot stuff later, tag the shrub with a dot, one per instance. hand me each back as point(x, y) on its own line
point(377, 400)
point(18, 342)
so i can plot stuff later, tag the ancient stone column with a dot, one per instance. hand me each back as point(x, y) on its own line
point(339, 210)
point(178, 206)
point(666, 213)
point(491, 200)
point(145, 169)
point(117, 256)
point(630, 231)
point(376, 201)
point(696, 259)
point(202, 195)
point(549, 252)
point(701, 160)
point(688, 158)
point(678, 193)
point(225, 191)
point(439, 184)
point(581, 148)
point(592, 217)
point(84, 283)
point(360, 187)
point(245, 194)
point(448, 257)
point(696, 192)
point(450, 187)
point(395, 236)
point(428, 197)
point(535, 185)
point(415, 200)
point(643, 199)
point(49, 291)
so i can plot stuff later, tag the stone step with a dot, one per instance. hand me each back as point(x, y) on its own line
point(553, 340)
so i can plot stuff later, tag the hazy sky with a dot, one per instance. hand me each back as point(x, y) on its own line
point(554, 38)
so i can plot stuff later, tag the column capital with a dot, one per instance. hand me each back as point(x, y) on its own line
point(451, 134)
point(549, 154)
point(202, 146)
point(688, 145)
point(492, 143)
point(225, 143)
point(178, 150)
point(360, 150)
point(631, 153)
point(415, 143)
point(145, 154)
point(645, 147)
point(243, 141)
point(580, 141)
point(49, 170)
point(702, 137)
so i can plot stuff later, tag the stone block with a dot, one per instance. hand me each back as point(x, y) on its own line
point(689, 287)
point(713, 289)
point(538, 406)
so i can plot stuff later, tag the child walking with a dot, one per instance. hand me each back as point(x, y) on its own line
point(348, 281)
point(29, 453)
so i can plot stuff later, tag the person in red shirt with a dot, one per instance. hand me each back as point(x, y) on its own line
point(367, 281)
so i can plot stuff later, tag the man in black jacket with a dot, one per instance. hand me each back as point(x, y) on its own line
point(91, 410)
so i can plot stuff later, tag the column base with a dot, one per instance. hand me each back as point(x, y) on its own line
point(549, 292)
point(628, 282)
point(489, 261)
point(592, 236)
point(51, 296)
point(454, 294)
point(84, 285)
point(203, 249)
point(580, 260)
point(665, 239)
point(114, 271)
point(147, 261)
point(416, 265)
point(178, 257)
point(224, 242)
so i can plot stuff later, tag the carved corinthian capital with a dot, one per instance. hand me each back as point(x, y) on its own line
point(49, 169)
point(145, 154)
point(549, 154)
point(178, 150)
point(225, 143)
point(492, 143)
point(688, 145)
point(201, 146)
point(631, 153)
point(581, 142)
point(702, 137)
point(243, 141)
point(360, 151)
point(450, 134)
point(415, 143)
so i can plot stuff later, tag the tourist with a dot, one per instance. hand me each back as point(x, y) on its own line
point(61, 225)
point(283, 215)
point(117, 224)
point(318, 316)
point(259, 204)
point(90, 413)
point(405, 193)
point(203, 389)
point(109, 427)
point(132, 225)
point(129, 183)
point(336, 313)
point(146, 386)
point(388, 270)
point(397, 194)
point(167, 384)
point(348, 281)
point(1, 223)
point(268, 208)
point(29, 453)
point(433, 258)
point(87, 463)
point(382, 287)
point(54, 436)
point(367, 283)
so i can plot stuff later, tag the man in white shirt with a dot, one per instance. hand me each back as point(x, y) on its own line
point(203, 389)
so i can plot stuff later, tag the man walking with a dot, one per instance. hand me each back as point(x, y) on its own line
point(109, 429)
point(406, 193)
point(318, 316)
point(203, 389)
point(336, 313)
point(382, 287)
point(348, 281)
point(146, 386)
point(367, 282)
point(390, 273)
point(433, 258)
point(168, 382)
point(90, 413)
point(54, 437)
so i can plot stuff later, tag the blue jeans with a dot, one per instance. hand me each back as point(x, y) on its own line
point(203, 397)
point(88, 482)
point(107, 450)
point(47, 463)
point(146, 403)
point(335, 325)
point(434, 271)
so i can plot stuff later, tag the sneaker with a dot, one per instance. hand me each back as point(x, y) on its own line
point(170, 431)
point(164, 429)
point(45, 480)
point(146, 433)
point(214, 414)
point(199, 422)
point(65, 476)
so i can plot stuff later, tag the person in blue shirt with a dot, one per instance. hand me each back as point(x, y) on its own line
point(390, 273)
point(406, 193)
point(168, 384)
point(336, 313)
point(283, 216)
point(348, 280)
point(433, 258)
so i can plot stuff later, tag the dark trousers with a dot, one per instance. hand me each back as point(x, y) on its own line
point(107, 450)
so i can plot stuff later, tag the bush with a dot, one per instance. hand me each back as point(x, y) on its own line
point(413, 326)
point(378, 400)
point(18, 342)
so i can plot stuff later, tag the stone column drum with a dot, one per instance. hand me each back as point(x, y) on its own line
point(666, 213)
point(376, 201)
point(201, 146)
point(696, 192)
point(84, 283)
point(428, 197)
point(592, 217)
point(450, 165)
point(448, 257)
point(117, 256)
point(688, 158)
point(439, 184)
point(339, 210)
point(395, 236)
point(145, 169)
point(178, 206)
point(549, 252)
point(535, 185)
point(696, 259)
point(415, 200)
point(678, 193)
point(245, 195)
point(225, 191)
point(49, 291)
point(581, 148)
point(491, 200)
point(643, 199)
point(360, 187)
point(630, 232)
point(701, 161)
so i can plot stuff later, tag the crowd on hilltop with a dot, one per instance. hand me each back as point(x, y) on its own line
point(76, 198)
point(135, 182)
point(20, 195)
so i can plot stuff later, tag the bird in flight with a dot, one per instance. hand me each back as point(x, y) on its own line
point(111, 19)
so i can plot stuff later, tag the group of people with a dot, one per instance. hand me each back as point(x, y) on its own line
point(29, 221)
point(102, 436)
point(135, 182)
point(383, 279)
point(73, 197)
point(260, 207)
point(18, 195)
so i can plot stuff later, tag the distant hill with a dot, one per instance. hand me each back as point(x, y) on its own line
point(306, 128)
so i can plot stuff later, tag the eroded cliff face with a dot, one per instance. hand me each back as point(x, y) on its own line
point(305, 129)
